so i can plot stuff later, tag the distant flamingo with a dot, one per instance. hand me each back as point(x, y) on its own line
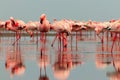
point(44, 27)
point(98, 27)
point(101, 28)
point(78, 26)
point(2, 24)
point(31, 27)
point(15, 26)
point(63, 30)
point(114, 28)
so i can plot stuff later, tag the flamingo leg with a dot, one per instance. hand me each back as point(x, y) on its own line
point(80, 34)
point(54, 39)
point(29, 32)
point(42, 39)
point(100, 38)
point(107, 40)
point(60, 41)
point(45, 37)
point(71, 42)
point(37, 37)
point(95, 35)
point(32, 36)
point(114, 39)
point(42, 36)
point(64, 42)
point(17, 38)
point(45, 68)
point(76, 42)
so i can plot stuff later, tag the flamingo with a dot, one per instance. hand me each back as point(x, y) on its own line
point(78, 26)
point(44, 27)
point(2, 24)
point(63, 29)
point(15, 26)
point(31, 27)
point(98, 27)
point(114, 28)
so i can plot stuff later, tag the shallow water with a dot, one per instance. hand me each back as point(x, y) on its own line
point(91, 60)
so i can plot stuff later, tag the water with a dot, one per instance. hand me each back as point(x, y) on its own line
point(91, 60)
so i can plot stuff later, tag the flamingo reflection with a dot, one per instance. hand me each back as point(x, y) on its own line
point(14, 61)
point(64, 63)
point(103, 60)
point(115, 75)
point(43, 60)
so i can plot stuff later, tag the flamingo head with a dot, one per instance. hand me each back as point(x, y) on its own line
point(108, 28)
point(42, 17)
point(11, 18)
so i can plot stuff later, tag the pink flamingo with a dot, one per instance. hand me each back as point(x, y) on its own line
point(32, 27)
point(2, 24)
point(63, 29)
point(78, 26)
point(90, 25)
point(101, 28)
point(15, 26)
point(114, 28)
point(98, 27)
point(44, 27)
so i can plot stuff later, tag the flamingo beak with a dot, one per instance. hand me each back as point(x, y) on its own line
point(6, 24)
point(41, 20)
point(108, 28)
point(13, 22)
